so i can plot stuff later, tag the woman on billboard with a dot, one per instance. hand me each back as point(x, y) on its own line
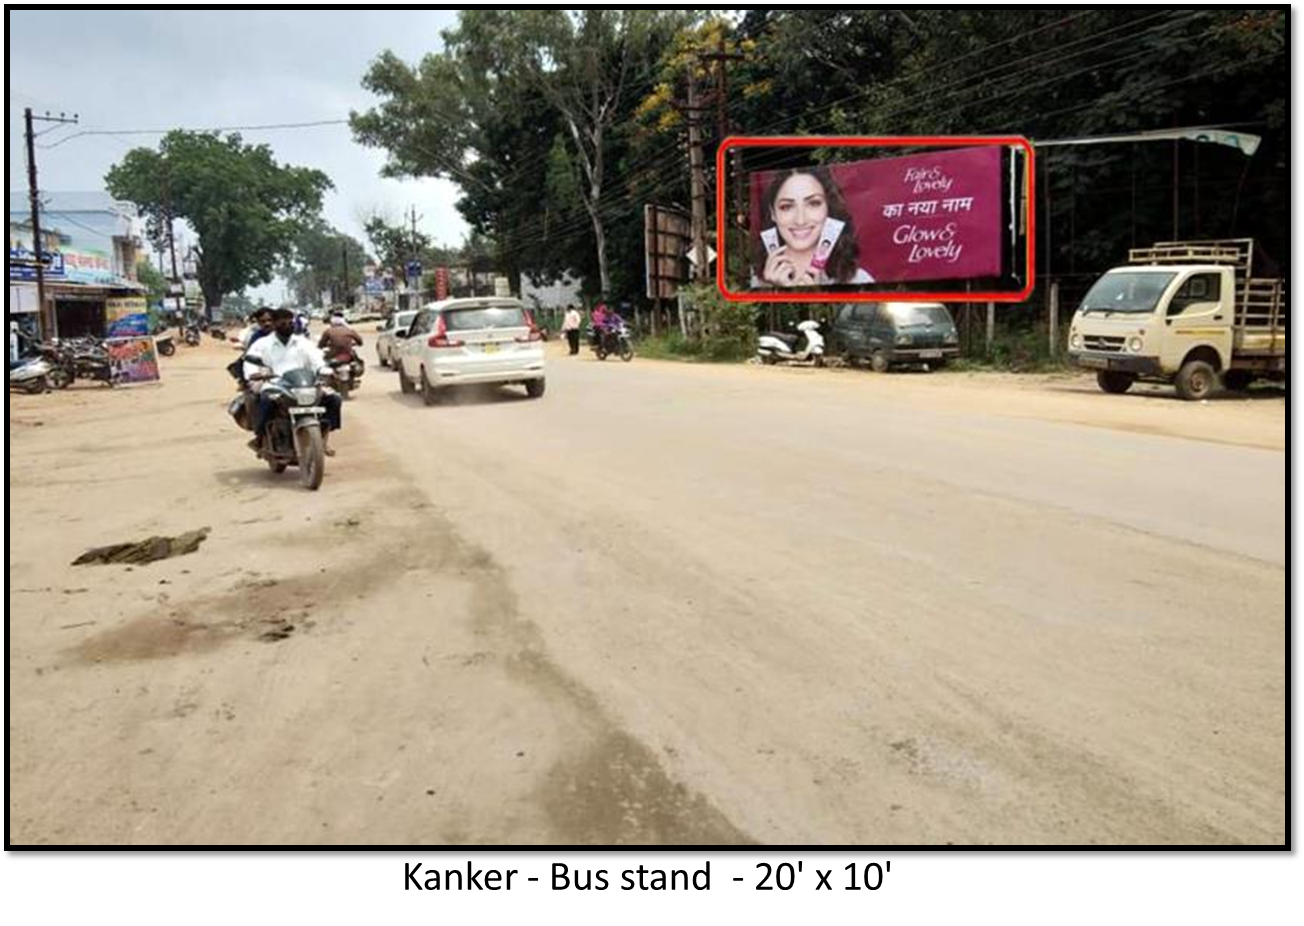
point(808, 237)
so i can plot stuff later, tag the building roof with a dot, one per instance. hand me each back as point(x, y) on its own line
point(72, 201)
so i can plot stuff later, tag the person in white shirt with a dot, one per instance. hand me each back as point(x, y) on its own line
point(570, 326)
point(277, 354)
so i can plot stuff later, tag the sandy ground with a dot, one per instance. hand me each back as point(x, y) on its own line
point(664, 603)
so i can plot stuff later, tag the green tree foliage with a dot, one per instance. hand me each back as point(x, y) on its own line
point(318, 263)
point(245, 207)
point(148, 276)
point(518, 105)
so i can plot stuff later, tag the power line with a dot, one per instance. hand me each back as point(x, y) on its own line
point(969, 84)
point(219, 128)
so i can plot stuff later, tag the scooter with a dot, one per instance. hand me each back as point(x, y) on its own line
point(192, 335)
point(31, 375)
point(164, 344)
point(806, 346)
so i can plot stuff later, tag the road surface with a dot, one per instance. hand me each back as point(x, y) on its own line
point(665, 603)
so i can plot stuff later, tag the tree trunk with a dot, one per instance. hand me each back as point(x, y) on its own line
point(212, 297)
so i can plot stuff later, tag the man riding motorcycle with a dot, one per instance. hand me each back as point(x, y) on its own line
point(275, 355)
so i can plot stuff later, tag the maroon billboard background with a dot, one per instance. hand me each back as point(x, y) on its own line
point(934, 216)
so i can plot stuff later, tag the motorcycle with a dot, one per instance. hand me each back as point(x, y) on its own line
point(216, 333)
point(192, 335)
point(63, 367)
point(293, 436)
point(806, 346)
point(347, 372)
point(90, 359)
point(612, 339)
point(30, 375)
point(164, 344)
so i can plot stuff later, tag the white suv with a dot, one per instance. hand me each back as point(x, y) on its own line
point(465, 341)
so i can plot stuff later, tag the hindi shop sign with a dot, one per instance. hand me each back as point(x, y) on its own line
point(126, 316)
point(935, 216)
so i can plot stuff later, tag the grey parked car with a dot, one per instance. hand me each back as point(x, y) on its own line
point(890, 333)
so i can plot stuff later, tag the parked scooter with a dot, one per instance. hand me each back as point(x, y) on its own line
point(804, 347)
point(192, 335)
point(165, 345)
point(30, 375)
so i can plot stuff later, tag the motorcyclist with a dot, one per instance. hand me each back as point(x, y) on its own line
point(277, 355)
point(339, 340)
point(260, 326)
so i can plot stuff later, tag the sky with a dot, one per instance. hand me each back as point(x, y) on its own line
point(162, 69)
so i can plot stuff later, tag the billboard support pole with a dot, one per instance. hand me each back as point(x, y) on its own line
point(991, 326)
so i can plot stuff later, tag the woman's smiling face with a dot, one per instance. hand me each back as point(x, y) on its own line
point(800, 210)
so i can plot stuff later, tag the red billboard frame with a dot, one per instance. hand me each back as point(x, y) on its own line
point(876, 141)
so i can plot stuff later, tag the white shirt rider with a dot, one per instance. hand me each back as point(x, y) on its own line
point(278, 358)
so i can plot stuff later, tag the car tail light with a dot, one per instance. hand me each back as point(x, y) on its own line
point(440, 337)
point(534, 334)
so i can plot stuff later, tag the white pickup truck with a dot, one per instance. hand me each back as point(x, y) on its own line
point(1183, 312)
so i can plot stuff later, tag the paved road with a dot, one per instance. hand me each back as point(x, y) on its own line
point(682, 604)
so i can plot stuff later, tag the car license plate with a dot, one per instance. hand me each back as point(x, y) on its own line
point(1095, 363)
point(491, 348)
point(930, 354)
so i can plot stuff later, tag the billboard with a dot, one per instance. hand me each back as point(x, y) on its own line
point(125, 316)
point(667, 233)
point(933, 216)
point(132, 361)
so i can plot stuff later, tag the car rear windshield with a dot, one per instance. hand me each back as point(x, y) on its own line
point(474, 319)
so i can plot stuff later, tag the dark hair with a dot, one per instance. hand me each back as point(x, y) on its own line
point(281, 314)
point(845, 259)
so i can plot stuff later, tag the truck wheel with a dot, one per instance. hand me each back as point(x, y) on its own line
point(1115, 382)
point(1195, 380)
point(1237, 380)
point(878, 361)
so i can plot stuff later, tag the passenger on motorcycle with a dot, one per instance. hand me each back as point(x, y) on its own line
point(339, 340)
point(277, 355)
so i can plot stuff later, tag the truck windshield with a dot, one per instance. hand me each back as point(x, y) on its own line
point(1127, 292)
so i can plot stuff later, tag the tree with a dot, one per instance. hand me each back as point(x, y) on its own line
point(318, 263)
point(147, 275)
point(245, 207)
point(487, 111)
point(394, 245)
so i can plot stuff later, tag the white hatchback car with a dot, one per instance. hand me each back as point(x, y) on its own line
point(471, 341)
point(391, 335)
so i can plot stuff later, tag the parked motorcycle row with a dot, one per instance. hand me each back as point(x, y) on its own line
point(60, 363)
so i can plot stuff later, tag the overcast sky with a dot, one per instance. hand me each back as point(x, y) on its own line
point(209, 68)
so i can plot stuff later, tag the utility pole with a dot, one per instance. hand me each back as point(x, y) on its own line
point(415, 255)
point(722, 57)
point(45, 313)
point(697, 178)
point(344, 253)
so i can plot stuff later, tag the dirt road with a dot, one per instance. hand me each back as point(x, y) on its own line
point(664, 603)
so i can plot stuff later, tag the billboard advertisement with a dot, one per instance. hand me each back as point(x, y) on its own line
point(126, 316)
point(933, 216)
point(132, 361)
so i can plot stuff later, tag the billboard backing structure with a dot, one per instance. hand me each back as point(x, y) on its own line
point(666, 236)
point(834, 232)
